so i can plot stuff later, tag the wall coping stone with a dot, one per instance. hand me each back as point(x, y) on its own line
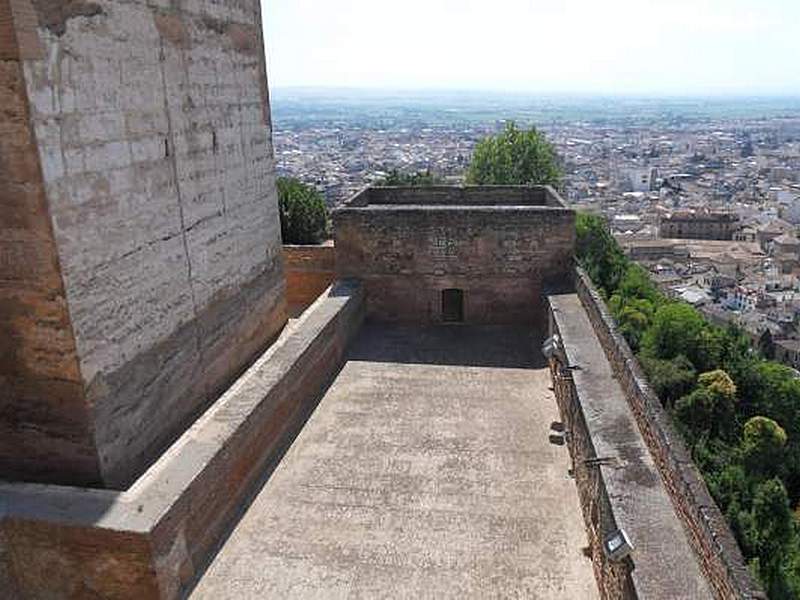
point(461, 196)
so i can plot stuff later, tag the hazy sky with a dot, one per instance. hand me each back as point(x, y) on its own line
point(680, 47)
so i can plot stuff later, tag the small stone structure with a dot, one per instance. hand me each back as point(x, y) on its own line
point(475, 254)
point(140, 254)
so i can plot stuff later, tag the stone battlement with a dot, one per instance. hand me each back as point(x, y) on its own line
point(490, 247)
point(145, 401)
point(457, 196)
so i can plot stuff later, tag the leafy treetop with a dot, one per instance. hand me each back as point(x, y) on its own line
point(514, 157)
point(304, 216)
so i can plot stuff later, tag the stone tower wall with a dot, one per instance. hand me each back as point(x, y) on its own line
point(153, 162)
point(43, 416)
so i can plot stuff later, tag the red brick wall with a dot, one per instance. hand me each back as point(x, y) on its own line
point(309, 271)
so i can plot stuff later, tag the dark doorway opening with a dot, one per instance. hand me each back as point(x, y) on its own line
point(453, 306)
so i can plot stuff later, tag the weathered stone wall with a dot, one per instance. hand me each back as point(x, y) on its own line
point(709, 534)
point(40, 381)
point(154, 539)
point(448, 195)
point(613, 578)
point(309, 271)
point(699, 227)
point(152, 126)
point(498, 255)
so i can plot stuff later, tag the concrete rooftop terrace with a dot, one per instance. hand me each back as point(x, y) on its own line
point(425, 471)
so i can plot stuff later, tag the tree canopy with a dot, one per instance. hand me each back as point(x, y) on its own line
point(514, 157)
point(304, 216)
point(763, 443)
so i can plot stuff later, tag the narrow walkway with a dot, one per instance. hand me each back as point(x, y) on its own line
point(425, 472)
point(664, 564)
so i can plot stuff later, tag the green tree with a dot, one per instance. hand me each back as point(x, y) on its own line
point(514, 157)
point(711, 408)
point(677, 329)
point(730, 487)
point(396, 178)
point(769, 534)
point(763, 443)
point(304, 217)
point(598, 252)
point(634, 303)
point(671, 378)
point(636, 283)
point(633, 318)
point(770, 389)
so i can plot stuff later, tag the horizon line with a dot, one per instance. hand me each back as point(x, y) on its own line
point(741, 95)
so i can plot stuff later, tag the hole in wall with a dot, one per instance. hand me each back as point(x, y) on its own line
point(453, 306)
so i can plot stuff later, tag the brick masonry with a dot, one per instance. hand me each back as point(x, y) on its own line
point(309, 271)
point(141, 233)
point(498, 245)
point(710, 537)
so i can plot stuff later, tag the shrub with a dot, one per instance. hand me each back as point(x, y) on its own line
point(304, 217)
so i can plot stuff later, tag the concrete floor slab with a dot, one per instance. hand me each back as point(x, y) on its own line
point(426, 471)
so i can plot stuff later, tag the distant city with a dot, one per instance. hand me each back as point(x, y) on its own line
point(704, 192)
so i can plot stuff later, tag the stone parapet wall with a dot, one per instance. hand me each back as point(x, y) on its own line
point(613, 578)
point(488, 195)
point(309, 271)
point(708, 532)
point(152, 540)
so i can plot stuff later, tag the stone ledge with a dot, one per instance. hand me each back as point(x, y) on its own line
point(711, 539)
point(152, 540)
point(462, 195)
point(618, 479)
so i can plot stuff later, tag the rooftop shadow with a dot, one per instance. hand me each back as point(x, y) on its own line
point(499, 346)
